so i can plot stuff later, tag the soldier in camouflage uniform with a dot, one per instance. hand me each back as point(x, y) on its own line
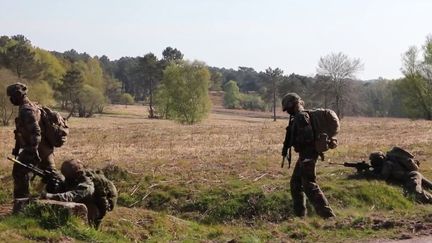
point(77, 187)
point(30, 146)
point(404, 171)
point(299, 134)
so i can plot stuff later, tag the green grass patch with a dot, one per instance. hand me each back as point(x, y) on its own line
point(221, 205)
point(4, 196)
point(371, 194)
point(48, 223)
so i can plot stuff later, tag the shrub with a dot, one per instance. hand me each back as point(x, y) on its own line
point(183, 93)
point(252, 102)
point(231, 95)
point(126, 99)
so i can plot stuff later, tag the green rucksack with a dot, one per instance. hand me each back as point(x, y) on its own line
point(54, 127)
point(105, 193)
point(325, 125)
point(403, 158)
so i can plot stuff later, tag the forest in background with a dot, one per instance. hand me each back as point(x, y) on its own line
point(177, 89)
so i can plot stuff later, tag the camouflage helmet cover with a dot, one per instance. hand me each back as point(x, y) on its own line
point(289, 100)
point(71, 168)
point(16, 88)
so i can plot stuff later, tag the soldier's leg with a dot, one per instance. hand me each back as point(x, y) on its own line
point(414, 185)
point(21, 175)
point(426, 184)
point(313, 191)
point(94, 217)
point(46, 153)
point(297, 194)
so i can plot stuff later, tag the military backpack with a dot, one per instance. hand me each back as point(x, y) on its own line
point(403, 158)
point(325, 124)
point(105, 191)
point(54, 127)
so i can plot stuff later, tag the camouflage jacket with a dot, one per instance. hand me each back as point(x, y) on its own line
point(397, 170)
point(80, 190)
point(299, 134)
point(28, 130)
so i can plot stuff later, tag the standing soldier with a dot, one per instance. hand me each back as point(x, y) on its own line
point(30, 145)
point(300, 135)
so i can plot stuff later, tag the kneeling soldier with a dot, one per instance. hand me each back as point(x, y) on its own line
point(87, 187)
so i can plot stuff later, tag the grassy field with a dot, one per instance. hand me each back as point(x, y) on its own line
point(221, 181)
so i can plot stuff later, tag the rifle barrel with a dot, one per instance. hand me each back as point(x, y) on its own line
point(36, 170)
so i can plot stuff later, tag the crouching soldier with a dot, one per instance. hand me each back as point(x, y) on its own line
point(88, 187)
point(400, 166)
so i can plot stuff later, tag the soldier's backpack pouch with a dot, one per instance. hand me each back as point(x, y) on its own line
point(54, 127)
point(325, 125)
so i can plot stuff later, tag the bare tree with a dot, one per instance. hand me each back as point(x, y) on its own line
point(339, 68)
point(322, 91)
point(274, 77)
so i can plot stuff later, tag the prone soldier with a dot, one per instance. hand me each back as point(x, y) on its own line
point(398, 165)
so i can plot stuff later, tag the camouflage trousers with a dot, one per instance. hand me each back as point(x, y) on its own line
point(22, 175)
point(303, 181)
point(94, 215)
point(416, 184)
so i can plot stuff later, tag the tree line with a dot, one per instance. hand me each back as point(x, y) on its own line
point(335, 86)
point(83, 85)
point(175, 88)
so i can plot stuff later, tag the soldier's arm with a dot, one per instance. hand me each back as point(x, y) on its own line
point(15, 150)
point(386, 170)
point(287, 142)
point(83, 190)
point(30, 121)
point(304, 124)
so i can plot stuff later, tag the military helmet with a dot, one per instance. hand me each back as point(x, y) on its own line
point(289, 100)
point(377, 159)
point(71, 168)
point(17, 88)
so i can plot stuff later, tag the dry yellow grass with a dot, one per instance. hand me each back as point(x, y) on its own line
point(230, 143)
point(229, 147)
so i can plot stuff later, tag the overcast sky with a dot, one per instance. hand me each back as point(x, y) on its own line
point(289, 34)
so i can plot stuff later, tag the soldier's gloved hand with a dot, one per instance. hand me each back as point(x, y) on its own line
point(333, 143)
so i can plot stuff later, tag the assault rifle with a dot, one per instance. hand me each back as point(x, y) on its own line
point(360, 166)
point(51, 178)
